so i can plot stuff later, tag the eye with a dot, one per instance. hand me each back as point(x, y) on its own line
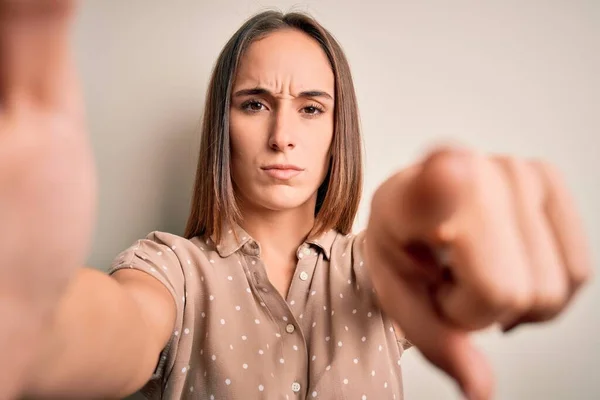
point(313, 110)
point(253, 106)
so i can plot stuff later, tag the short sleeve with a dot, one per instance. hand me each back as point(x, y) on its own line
point(154, 256)
point(359, 243)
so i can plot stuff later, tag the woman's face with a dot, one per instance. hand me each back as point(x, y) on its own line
point(281, 122)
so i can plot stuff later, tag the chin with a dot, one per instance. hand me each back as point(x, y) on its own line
point(281, 198)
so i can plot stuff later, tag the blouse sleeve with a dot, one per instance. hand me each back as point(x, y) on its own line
point(359, 244)
point(154, 256)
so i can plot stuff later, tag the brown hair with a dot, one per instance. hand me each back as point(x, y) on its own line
point(214, 202)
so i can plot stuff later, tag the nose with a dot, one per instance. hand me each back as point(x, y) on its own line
point(281, 137)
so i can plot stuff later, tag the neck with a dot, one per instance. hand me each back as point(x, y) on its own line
point(279, 232)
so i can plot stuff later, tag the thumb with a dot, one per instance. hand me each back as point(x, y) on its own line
point(448, 348)
point(36, 66)
point(434, 195)
point(427, 197)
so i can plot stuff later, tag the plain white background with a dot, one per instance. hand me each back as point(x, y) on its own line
point(519, 77)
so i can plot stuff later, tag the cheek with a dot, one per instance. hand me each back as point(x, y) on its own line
point(320, 152)
point(242, 164)
point(247, 133)
point(236, 134)
point(325, 140)
point(239, 158)
point(241, 137)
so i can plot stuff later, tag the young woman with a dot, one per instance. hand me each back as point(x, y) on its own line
point(268, 295)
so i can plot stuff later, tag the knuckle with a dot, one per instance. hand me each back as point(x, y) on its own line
point(379, 196)
point(380, 201)
point(582, 277)
point(507, 162)
point(442, 162)
point(519, 171)
point(544, 166)
point(507, 297)
point(452, 152)
point(518, 301)
point(508, 170)
point(551, 301)
point(547, 172)
point(376, 199)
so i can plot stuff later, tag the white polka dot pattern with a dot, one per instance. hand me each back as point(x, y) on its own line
point(235, 334)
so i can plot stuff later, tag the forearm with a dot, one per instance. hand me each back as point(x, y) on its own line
point(99, 345)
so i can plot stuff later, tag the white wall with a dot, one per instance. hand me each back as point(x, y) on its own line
point(503, 76)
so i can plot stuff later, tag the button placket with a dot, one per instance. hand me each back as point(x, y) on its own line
point(294, 342)
point(259, 275)
point(288, 332)
point(301, 280)
point(303, 251)
point(296, 387)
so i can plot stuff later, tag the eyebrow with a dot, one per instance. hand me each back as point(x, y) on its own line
point(262, 91)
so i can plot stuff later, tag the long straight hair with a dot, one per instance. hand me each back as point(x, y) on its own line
point(214, 200)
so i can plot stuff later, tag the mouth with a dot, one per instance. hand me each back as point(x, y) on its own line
point(282, 172)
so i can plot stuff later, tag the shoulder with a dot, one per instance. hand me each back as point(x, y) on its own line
point(163, 253)
point(347, 253)
point(170, 246)
point(351, 244)
point(166, 240)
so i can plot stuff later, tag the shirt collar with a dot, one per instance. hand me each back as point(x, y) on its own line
point(232, 239)
point(324, 241)
point(235, 238)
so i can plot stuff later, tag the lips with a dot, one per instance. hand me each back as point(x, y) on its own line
point(282, 171)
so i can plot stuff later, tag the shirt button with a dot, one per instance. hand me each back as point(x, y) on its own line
point(295, 387)
point(303, 275)
point(306, 251)
point(290, 328)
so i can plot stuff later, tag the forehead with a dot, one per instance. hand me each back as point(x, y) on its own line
point(285, 60)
